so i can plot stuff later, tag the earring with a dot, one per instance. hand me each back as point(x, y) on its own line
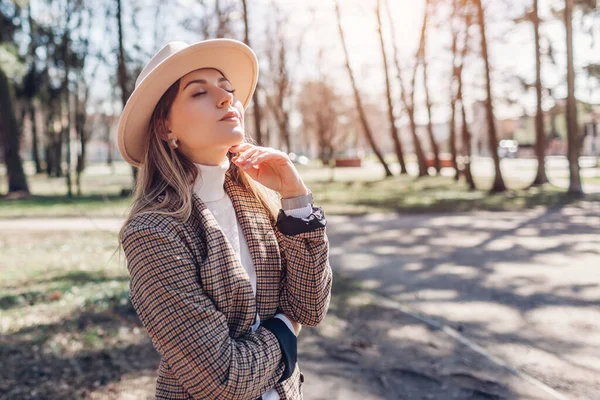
point(173, 143)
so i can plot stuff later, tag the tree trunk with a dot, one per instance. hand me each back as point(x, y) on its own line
point(423, 163)
point(122, 72)
point(359, 106)
point(408, 104)
point(423, 54)
point(498, 185)
point(452, 139)
point(35, 152)
point(255, 100)
point(453, 80)
point(573, 139)
point(393, 130)
point(540, 137)
point(67, 94)
point(9, 131)
point(466, 135)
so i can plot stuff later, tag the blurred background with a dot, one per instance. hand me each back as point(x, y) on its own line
point(453, 144)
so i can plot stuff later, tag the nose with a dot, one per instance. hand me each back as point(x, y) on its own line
point(226, 98)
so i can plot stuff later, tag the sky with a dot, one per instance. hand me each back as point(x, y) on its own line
point(510, 45)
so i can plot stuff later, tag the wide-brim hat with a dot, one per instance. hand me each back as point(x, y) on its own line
point(234, 59)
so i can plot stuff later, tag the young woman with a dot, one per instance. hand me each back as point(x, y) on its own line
point(220, 277)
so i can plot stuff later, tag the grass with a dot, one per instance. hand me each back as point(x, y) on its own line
point(352, 191)
point(62, 273)
point(67, 327)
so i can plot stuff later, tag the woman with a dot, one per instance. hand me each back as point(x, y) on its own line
point(221, 280)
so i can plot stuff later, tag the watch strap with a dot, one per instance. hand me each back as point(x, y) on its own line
point(298, 201)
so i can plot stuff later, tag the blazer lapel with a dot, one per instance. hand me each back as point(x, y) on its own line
point(262, 243)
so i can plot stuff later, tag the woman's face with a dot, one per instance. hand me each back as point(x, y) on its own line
point(197, 114)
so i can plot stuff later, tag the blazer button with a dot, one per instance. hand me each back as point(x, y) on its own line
point(301, 377)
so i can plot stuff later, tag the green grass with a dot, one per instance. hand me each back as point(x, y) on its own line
point(434, 194)
point(352, 191)
point(47, 276)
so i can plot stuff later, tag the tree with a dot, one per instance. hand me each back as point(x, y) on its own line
point(453, 90)
point(280, 94)
point(498, 184)
point(465, 134)
point(9, 132)
point(540, 136)
point(422, 58)
point(393, 130)
point(255, 98)
point(9, 129)
point(408, 99)
point(357, 98)
point(319, 107)
point(126, 84)
point(573, 136)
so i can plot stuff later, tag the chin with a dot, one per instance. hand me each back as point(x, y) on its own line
point(239, 133)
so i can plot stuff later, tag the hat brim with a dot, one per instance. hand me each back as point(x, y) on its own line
point(236, 61)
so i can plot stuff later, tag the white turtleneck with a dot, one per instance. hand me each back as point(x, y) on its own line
point(209, 187)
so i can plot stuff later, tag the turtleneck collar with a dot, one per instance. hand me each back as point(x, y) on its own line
point(210, 181)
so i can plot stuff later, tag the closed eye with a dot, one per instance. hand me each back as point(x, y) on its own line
point(201, 93)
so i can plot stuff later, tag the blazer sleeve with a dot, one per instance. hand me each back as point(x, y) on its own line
point(305, 290)
point(185, 326)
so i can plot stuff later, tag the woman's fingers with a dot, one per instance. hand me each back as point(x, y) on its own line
point(245, 155)
point(238, 148)
point(258, 156)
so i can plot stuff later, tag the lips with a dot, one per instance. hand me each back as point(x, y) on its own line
point(230, 116)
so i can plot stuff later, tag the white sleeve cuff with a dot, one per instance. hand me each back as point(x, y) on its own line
point(302, 212)
point(287, 322)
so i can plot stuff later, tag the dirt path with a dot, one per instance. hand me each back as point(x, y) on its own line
point(525, 286)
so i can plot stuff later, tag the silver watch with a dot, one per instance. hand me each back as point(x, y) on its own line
point(297, 202)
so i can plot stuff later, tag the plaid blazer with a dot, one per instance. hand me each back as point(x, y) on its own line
point(195, 298)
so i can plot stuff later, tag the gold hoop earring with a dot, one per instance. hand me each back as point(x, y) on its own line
point(173, 143)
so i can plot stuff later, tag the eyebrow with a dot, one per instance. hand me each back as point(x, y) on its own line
point(222, 79)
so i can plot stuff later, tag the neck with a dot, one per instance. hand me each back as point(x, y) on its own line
point(209, 183)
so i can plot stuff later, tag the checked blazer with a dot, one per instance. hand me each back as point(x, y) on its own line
point(196, 302)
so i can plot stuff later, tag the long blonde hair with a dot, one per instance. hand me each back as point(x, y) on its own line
point(167, 171)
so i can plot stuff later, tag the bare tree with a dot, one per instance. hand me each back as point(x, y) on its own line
point(408, 99)
point(498, 184)
point(465, 134)
point(393, 129)
point(123, 77)
point(359, 106)
point(280, 94)
point(453, 89)
point(573, 136)
point(422, 56)
point(318, 104)
point(540, 137)
point(255, 98)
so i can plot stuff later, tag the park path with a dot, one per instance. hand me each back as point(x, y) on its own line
point(525, 286)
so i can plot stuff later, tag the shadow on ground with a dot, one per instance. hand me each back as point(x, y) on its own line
point(525, 284)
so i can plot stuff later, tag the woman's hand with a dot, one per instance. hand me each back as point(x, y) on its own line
point(270, 167)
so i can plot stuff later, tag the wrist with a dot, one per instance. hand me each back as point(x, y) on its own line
point(294, 193)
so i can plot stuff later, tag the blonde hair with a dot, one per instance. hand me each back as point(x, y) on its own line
point(167, 171)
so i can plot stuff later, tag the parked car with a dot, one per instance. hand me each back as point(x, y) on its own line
point(298, 158)
point(508, 148)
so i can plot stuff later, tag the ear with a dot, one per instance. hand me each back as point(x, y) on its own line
point(165, 131)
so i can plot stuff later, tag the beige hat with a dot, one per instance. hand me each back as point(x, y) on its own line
point(236, 61)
